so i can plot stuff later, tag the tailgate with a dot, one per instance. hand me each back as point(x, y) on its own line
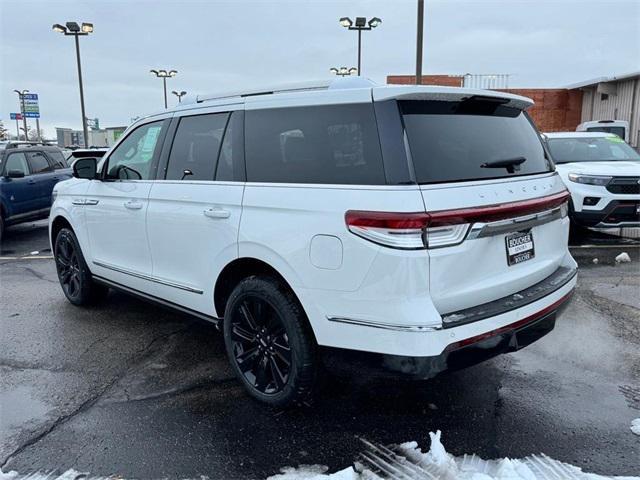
point(497, 209)
point(517, 237)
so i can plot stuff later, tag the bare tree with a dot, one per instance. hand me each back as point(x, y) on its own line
point(4, 133)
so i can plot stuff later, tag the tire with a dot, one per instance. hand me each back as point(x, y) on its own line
point(73, 273)
point(269, 342)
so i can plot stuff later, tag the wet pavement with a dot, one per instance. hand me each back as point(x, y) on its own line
point(131, 389)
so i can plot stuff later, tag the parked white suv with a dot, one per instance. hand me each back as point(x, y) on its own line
point(422, 228)
point(602, 173)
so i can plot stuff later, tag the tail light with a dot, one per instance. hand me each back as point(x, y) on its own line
point(406, 231)
point(444, 228)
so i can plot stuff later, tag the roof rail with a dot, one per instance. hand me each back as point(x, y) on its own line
point(294, 87)
point(336, 83)
point(21, 143)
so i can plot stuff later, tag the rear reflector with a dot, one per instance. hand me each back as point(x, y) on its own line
point(443, 228)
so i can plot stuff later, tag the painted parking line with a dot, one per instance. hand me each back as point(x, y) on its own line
point(28, 257)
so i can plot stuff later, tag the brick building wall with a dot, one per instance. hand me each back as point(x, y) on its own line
point(554, 109)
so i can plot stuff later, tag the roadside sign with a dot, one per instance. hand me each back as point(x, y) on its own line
point(31, 109)
point(15, 116)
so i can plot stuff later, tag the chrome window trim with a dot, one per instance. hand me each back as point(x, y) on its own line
point(148, 277)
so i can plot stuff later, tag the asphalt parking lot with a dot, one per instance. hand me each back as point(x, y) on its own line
point(130, 389)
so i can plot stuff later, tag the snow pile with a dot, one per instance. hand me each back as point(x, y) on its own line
point(623, 258)
point(408, 462)
point(314, 472)
point(635, 426)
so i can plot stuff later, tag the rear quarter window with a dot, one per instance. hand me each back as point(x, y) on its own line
point(458, 141)
point(328, 144)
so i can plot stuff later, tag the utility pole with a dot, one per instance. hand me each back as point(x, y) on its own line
point(419, 42)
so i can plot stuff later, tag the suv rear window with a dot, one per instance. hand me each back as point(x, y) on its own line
point(329, 144)
point(458, 141)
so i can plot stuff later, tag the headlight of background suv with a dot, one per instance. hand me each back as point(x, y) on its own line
point(589, 179)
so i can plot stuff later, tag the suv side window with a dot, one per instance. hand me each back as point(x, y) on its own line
point(330, 144)
point(230, 162)
point(133, 158)
point(195, 147)
point(58, 160)
point(16, 161)
point(38, 162)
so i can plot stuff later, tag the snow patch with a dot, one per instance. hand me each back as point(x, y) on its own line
point(408, 462)
point(623, 258)
point(314, 472)
point(635, 426)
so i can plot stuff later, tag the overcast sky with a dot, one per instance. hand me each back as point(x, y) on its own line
point(218, 45)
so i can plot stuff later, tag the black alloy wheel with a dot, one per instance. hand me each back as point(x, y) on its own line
point(73, 273)
point(270, 343)
point(68, 266)
point(260, 345)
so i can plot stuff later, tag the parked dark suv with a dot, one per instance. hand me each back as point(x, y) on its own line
point(28, 172)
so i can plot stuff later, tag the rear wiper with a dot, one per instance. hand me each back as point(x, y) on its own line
point(511, 164)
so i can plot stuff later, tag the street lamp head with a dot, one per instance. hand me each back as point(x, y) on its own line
point(346, 22)
point(182, 93)
point(172, 73)
point(374, 22)
point(334, 70)
point(361, 21)
point(87, 28)
point(353, 70)
point(155, 72)
point(162, 73)
point(59, 28)
point(73, 27)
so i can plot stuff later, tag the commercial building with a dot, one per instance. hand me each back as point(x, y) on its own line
point(612, 98)
point(103, 137)
point(560, 109)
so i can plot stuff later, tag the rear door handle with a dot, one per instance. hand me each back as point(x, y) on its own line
point(31, 181)
point(133, 205)
point(217, 213)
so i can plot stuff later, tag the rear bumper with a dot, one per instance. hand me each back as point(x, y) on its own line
point(457, 355)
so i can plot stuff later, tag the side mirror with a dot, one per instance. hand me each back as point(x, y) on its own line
point(85, 168)
point(15, 174)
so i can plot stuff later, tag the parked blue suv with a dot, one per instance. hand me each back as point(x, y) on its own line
point(28, 172)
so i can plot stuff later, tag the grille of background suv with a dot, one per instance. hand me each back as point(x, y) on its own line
point(624, 185)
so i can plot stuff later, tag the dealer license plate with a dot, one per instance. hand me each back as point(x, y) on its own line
point(519, 247)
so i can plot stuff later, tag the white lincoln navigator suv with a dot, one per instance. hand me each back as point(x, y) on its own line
point(420, 228)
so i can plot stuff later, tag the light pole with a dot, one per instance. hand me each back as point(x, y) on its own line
point(420, 28)
point(361, 24)
point(21, 95)
point(75, 30)
point(343, 71)
point(164, 74)
point(179, 95)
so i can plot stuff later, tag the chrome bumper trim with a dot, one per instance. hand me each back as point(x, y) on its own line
point(386, 326)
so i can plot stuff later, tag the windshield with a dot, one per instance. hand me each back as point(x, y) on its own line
point(615, 130)
point(471, 140)
point(591, 149)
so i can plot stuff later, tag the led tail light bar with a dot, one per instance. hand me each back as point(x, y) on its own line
point(413, 231)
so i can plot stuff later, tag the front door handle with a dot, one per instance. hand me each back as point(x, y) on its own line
point(133, 205)
point(31, 181)
point(217, 213)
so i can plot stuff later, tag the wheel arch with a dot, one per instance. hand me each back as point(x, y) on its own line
point(58, 223)
point(239, 269)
